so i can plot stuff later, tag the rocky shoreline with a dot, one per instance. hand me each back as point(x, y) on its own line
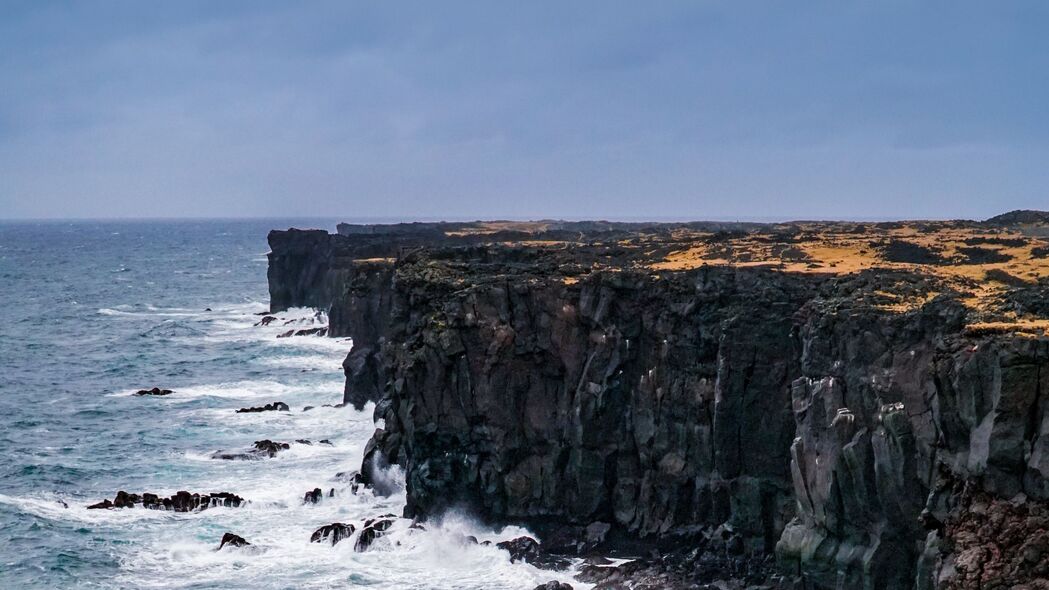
point(809, 405)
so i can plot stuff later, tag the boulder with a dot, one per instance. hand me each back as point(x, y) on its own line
point(373, 529)
point(528, 550)
point(233, 541)
point(333, 532)
point(313, 497)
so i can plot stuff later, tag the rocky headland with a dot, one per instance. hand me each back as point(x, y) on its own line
point(813, 405)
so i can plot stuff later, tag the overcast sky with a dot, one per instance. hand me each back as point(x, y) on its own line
point(486, 109)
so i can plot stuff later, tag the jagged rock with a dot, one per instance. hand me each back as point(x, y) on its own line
point(334, 532)
point(180, 502)
point(528, 550)
point(154, 391)
point(313, 497)
point(233, 541)
point(270, 448)
point(266, 320)
point(261, 449)
point(353, 478)
point(553, 585)
point(273, 407)
point(304, 332)
point(373, 529)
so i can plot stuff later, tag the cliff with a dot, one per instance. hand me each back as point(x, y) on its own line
point(845, 397)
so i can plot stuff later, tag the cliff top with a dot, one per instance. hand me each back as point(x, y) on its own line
point(998, 268)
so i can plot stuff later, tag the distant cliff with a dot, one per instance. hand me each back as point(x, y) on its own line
point(870, 425)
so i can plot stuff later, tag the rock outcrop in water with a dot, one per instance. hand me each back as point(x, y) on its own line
point(180, 502)
point(262, 449)
point(233, 541)
point(272, 407)
point(333, 533)
point(154, 391)
point(725, 395)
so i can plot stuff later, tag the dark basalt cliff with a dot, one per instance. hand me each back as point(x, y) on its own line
point(852, 425)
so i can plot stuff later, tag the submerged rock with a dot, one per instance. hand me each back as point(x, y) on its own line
point(233, 541)
point(273, 407)
point(266, 320)
point(154, 391)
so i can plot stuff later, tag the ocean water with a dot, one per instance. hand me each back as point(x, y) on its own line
point(92, 311)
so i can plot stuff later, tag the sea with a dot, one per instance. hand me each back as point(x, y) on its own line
point(91, 312)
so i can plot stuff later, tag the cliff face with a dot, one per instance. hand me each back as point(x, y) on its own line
point(299, 261)
point(806, 416)
point(650, 404)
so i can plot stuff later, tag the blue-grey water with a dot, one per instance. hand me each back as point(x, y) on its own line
point(92, 311)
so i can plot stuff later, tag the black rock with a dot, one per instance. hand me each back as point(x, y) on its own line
point(354, 478)
point(265, 321)
point(273, 407)
point(261, 449)
point(233, 541)
point(154, 391)
point(528, 550)
point(373, 528)
point(270, 448)
point(180, 502)
point(334, 532)
point(553, 585)
point(520, 549)
point(313, 497)
point(304, 332)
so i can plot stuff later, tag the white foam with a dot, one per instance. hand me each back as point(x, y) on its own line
point(179, 550)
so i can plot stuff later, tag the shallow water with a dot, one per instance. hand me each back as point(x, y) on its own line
point(91, 312)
